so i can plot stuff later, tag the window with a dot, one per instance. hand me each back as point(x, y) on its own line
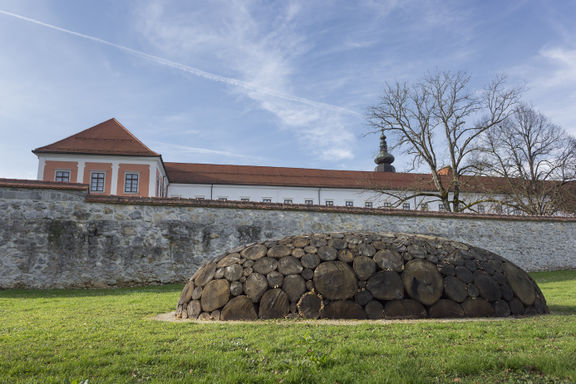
point(266, 200)
point(349, 203)
point(97, 181)
point(130, 182)
point(329, 203)
point(309, 202)
point(441, 207)
point(368, 204)
point(245, 199)
point(406, 206)
point(287, 201)
point(387, 206)
point(222, 198)
point(199, 197)
point(424, 206)
point(62, 176)
point(481, 208)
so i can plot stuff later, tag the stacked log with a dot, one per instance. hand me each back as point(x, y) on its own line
point(359, 276)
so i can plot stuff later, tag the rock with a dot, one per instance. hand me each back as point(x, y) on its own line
point(289, 265)
point(386, 285)
point(346, 256)
point(477, 308)
point(404, 309)
point(275, 279)
point(446, 308)
point(364, 267)
point(255, 286)
point(247, 272)
point(335, 280)
point(254, 252)
point(279, 251)
point(455, 289)
point(294, 286)
point(327, 253)
point(389, 260)
point(205, 274)
point(374, 310)
point(239, 308)
point(343, 310)
point(228, 260)
point(274, 304)
point(363, 297)
point(520, 282)
point(236, 288)
point(265, 265)
point(310, 260)
point(194, 309)
point(233, 272)
point(310, 306)
point(488, 287)
point(216, 293)
point(422, 281)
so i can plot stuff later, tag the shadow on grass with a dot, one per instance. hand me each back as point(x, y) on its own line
point(89, 292)
point(562, 309)
point(556, 276)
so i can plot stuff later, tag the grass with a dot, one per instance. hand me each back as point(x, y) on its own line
point(108, 336)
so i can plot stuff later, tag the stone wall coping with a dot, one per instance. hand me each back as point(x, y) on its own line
point(39, 184)
point(183, 202)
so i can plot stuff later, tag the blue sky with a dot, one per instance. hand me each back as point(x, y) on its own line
point(280, 83)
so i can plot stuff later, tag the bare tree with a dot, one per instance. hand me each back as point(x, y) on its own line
point(535, 158)
point(432, 121)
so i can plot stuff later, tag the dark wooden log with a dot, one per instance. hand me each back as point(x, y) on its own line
point(300, 241)
point(289, 265)
point(386, 285)
point(310, 306)
point(455, 289)
point(279, 251)
point(215, 294)
point(446, 309)
point(501, 308)
point(204, 274)
point(294, 286)
point(236, 288)
point(422, 281)
point(310, 260)
point(335, 280)
point(233, 272)
point(343, 310)
point(488, 287)
point(186, 294)
point(194, 309)
point(239, 308)
point(254, 252)
point(327, 253)
point(255, 286)
point(363, 297)
point(274, 304)
point(364, 267)
point(521, 283)
point(463, 274)
point(389, 260)
point(265, 265)
point(374, 310)
point(404, 309)
point(477, 308)
point(275, 279)
point(346, 256)
point(228, 260)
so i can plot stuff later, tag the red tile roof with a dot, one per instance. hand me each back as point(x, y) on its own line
point(107, 138)
point(40, 184)
point(190, 173)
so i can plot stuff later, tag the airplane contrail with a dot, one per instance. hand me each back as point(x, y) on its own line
point(187, 68)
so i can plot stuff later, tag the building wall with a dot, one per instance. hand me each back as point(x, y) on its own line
point(53, 166)
point(56, 239)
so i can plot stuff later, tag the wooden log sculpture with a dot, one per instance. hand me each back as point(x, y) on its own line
point(359, 276)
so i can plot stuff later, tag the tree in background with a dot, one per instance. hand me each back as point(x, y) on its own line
point(438, 121)
point(536, 159)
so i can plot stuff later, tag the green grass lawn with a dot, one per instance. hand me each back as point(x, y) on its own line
point(108, 336)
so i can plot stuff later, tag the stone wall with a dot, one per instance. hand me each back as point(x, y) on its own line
point(61, 238)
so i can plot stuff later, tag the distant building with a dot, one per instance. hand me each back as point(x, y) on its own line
point(112, 161)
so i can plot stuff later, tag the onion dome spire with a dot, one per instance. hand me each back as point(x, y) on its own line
point(384, 159)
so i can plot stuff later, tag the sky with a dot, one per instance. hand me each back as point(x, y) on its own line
point(278, 83)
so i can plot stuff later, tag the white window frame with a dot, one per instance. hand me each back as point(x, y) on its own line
point(387, 205)
point(329, 203)
point(349, 203)
point(288, 201)
point(368, 204)
point(223, 198)
point(266, 199)
point(92, 173)
point(245, 199)
point(137, 181)
point(406, 206)
point(62, 170)
point(309, 201)
point(481, 208)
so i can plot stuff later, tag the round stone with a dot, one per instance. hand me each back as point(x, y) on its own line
point(363, 297)
point(236, 288)
point(255, 286)
point(422, 281)
point(335, 280)
point(327, 253)
point(488, 287)
point(265, 265)
point(364, 267)
point(463, 274)
point(197, 293)
point(455, 289)
point(233, 272)
point(228, 260)
point(446, 308)
point(204, 275)
point(239, 308)
point(289, 265)
point(254, 252)
point(374, 310)
point(275, 279)
point(521, 283)
point(389, 260)
point(346, 256)
point(310, 260)
point(194, 309)
point(307, 274)
point(294, 286)
point(279, 251)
